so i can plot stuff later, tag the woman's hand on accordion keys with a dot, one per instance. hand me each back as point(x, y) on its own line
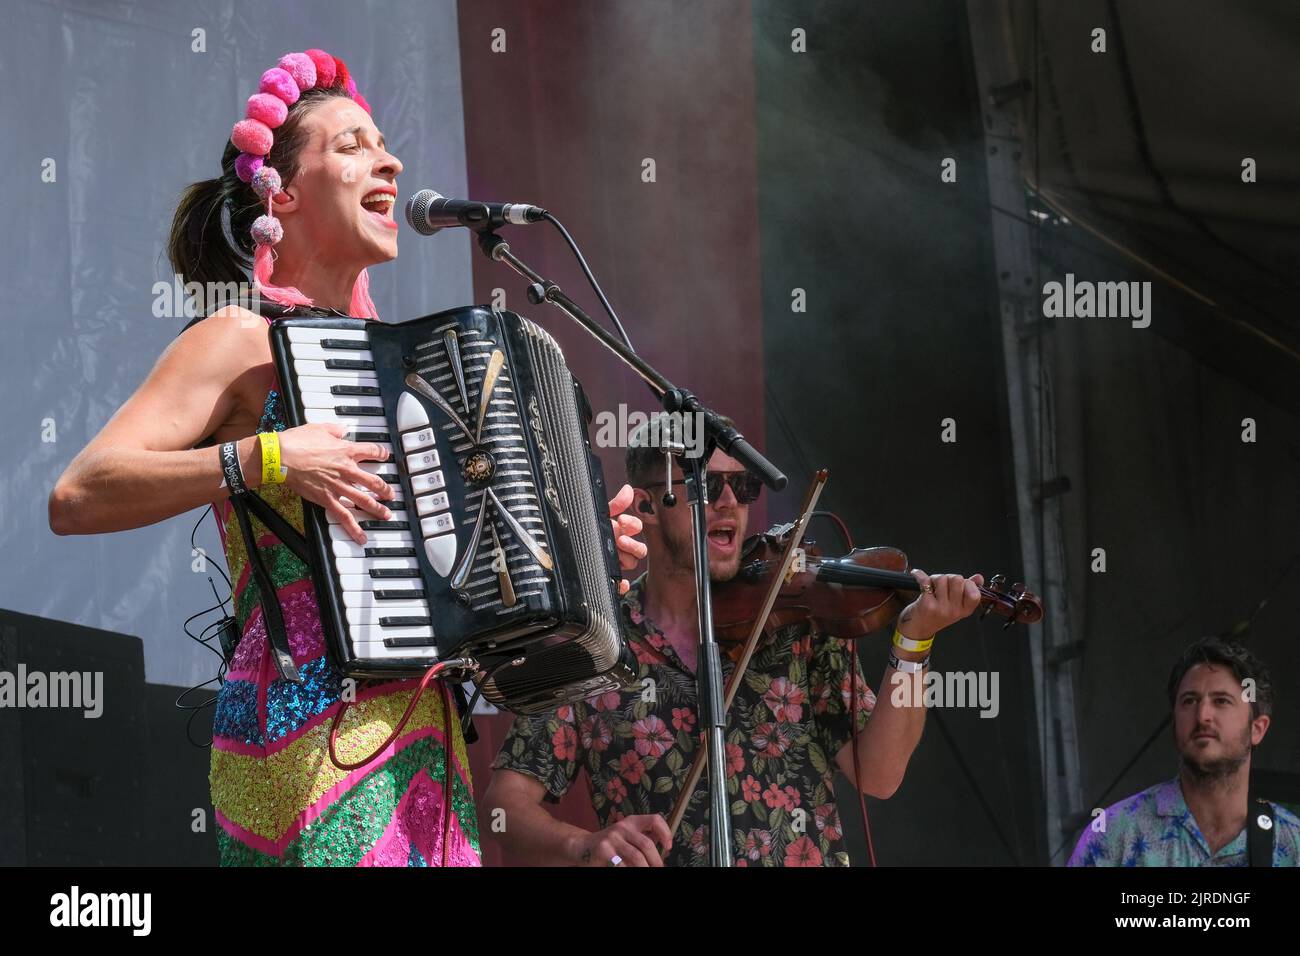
point(324, 467)
point(630, 551)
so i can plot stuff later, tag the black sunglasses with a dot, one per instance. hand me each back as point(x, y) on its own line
point(744, 486)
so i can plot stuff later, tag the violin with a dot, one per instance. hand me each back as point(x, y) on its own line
point(848, 596)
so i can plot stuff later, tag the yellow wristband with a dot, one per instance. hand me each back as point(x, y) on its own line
point(907, 644)
point(272, 473)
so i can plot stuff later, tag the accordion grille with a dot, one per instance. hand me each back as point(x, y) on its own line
point(569, 490)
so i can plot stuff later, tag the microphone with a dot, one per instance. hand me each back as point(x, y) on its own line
point(429, 211)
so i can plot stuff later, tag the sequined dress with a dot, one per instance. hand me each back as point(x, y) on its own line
point(279, 799)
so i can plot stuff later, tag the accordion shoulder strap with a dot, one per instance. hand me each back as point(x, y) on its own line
point(272, 614)
point(278, 526)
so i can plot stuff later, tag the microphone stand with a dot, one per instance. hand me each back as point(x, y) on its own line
point(717, 433)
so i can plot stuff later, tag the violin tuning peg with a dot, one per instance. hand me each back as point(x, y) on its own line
point(988, 609)
point(997, 583)
point(1011, 620)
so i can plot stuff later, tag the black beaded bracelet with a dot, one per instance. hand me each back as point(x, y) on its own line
point(232, 469)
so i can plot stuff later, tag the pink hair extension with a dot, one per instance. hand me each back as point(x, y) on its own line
point(262, 268)
point(362, 306)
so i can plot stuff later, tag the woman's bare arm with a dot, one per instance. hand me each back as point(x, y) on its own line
point(143, 467)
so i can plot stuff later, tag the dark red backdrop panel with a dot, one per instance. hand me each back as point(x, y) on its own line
point(584, 93)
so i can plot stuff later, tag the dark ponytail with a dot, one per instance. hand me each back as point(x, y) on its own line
point(198, 246)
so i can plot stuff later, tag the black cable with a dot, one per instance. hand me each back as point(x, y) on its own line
point(787, 431)
point(181, 702)
point(478, 692)
point(204, 639)
point(1148, 159)
point(194, 547)
point(199, 638)
point(937, 717)
point(586, 270)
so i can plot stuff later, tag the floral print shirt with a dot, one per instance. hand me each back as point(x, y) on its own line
point(1156, 828)
point(788, 721)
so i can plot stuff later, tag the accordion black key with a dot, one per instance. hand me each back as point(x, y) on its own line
point(499, 548)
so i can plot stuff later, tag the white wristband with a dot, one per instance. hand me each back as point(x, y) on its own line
point(908, 667)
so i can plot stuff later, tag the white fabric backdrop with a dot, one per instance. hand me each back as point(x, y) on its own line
point(115, 95)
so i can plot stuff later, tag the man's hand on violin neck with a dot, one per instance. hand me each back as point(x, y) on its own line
point(944, 599)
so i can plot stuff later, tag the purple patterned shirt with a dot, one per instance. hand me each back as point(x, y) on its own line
point(1156, 828)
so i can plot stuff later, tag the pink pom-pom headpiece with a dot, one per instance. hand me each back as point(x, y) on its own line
point(254, 136)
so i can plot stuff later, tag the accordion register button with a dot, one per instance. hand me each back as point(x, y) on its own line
point(429, 481)
point(414, 441)
point(422, 461)
point(428, 504)
point(410, 413)
point(441, 552)
point(438, 524)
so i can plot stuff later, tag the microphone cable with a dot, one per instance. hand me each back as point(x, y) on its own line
point(591, 278)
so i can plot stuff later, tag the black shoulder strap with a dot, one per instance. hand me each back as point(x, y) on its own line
point(267, 308)
point(1260, 832)
point(272, 614)
point(286, 532)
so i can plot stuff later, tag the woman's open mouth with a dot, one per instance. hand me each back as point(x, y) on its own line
point(379, 204)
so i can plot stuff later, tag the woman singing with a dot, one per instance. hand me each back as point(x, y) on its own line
point(306, 171)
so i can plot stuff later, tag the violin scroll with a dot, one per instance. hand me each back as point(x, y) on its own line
point(1014, 602)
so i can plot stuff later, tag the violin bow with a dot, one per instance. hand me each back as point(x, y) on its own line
point(751, 643)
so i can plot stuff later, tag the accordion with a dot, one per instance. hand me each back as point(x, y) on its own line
point(499, 548)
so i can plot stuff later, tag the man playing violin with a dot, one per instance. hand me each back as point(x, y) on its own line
point(787, 730)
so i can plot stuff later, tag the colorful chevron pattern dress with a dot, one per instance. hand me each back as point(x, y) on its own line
point(279, 799)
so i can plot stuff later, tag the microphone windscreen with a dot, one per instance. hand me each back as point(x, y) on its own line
point(417, 211)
